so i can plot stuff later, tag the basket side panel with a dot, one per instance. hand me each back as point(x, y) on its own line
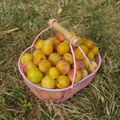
point(43, 95)
point(55, 97)
point(69, 93)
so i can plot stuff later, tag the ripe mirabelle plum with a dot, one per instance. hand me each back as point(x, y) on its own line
point(63, 67)
point(54, 58)
point(47, 49)
point(63, 48)
point(34, 75)
point(63, 81)
point(95, 50)
point(38, 56)
point(68, 57)
point(39, 44)
point(78, 54)
point(48, 82)
point(89, 43)
point(26, 57)
point(45, 65)
point(54, 72)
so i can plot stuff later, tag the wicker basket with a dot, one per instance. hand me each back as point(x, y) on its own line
point(57, 95)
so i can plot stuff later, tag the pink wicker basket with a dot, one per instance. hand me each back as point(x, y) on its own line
point(56, 95)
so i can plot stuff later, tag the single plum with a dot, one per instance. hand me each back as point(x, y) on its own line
point(47, 49)
point(48, 82)
point(54, 58)
point(85, 49)
point(91, 55)
point(78, 54)
point(34, 75)
point(63, 67)
point(94, 66)
point(56, 42)
point(89, 43)
point(86, 65)
point(63, 48)
point(95, 50)
point(39, 44)
point(59, 36)
point(38, 56)
point(84, 73)
point(79, 64)
point(63, 81)
point(68, 57)
point(26, 57)
point(45, 65)
point(54, 72)
point(78, 75)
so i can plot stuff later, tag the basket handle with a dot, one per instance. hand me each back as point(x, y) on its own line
point(59, 28)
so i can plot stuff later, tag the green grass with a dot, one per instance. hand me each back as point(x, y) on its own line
point(96, 19)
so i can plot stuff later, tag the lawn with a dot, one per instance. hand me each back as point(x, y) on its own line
point(96, 19)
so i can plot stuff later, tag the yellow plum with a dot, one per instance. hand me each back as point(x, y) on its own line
point(78, 75)
point(34, 75)
point(47, 49)
point(63, 48)
point(89, 43)
point(48, 82)
point(53, 72)
point(45, 65)
point(26, 57)
point(78, 54)
point(68, 57)
point(63, 81)
point(38, 56)
point(63, 67)
point(54, 58)
point(39, 44)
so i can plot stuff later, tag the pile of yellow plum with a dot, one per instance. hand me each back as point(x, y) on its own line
point(51, 64)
